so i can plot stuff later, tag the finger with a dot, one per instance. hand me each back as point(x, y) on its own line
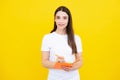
point(66, 68)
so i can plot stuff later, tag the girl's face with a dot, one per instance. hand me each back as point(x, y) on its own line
point(61, 20)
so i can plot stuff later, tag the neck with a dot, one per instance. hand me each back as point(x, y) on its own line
point(62, 32)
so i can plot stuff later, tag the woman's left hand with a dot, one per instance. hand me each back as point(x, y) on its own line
point(66, 68)
point(75, 65)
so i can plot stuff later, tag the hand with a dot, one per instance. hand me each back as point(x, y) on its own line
point(62, 65)
point(66, 68)
point(60, 58)
point(73, 66)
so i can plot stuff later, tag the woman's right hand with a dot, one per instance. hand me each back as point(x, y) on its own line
point(60, 59)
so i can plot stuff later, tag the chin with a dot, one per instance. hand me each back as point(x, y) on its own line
point(61, 27)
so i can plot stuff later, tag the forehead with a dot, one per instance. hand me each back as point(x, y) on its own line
point(61, 13)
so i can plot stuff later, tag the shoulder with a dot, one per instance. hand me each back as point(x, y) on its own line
point(77, 37)
point(48, 36)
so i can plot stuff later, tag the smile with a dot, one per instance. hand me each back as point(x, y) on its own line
point(61, 24)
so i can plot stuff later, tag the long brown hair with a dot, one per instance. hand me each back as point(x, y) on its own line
point(69, 28)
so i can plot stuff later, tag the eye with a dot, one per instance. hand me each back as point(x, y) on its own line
point(65, 17)
point(57, 17)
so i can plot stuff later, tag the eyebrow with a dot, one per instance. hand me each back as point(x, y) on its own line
point(63, 16)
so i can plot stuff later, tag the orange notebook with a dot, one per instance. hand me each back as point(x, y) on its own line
point(59, 65)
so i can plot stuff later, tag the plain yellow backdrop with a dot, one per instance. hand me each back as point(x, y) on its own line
point(23, 23)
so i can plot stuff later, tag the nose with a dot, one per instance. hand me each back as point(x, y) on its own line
point(61, 21)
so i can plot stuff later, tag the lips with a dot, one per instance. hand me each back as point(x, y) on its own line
point(61, 24)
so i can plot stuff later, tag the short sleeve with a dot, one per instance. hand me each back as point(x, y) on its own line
point(78, 43)
point(45, 44)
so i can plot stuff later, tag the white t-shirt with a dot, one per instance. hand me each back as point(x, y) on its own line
point(57, 44)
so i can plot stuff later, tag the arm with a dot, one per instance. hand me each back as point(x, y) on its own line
point(77, 64)
point(55, 65)
point(45, 60)
point(79, 61)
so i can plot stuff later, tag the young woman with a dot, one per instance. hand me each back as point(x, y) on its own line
point(61, 48)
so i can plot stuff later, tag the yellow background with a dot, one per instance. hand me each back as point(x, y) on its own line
point(23, 24)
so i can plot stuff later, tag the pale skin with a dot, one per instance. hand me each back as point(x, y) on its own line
point(61, 20)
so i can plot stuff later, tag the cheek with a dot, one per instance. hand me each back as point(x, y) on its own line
point(56, 20)
point(66, 21)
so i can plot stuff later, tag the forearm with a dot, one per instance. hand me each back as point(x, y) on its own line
point(79, 61)
point(56, 65)
point(77, 64)
point(48, 64)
